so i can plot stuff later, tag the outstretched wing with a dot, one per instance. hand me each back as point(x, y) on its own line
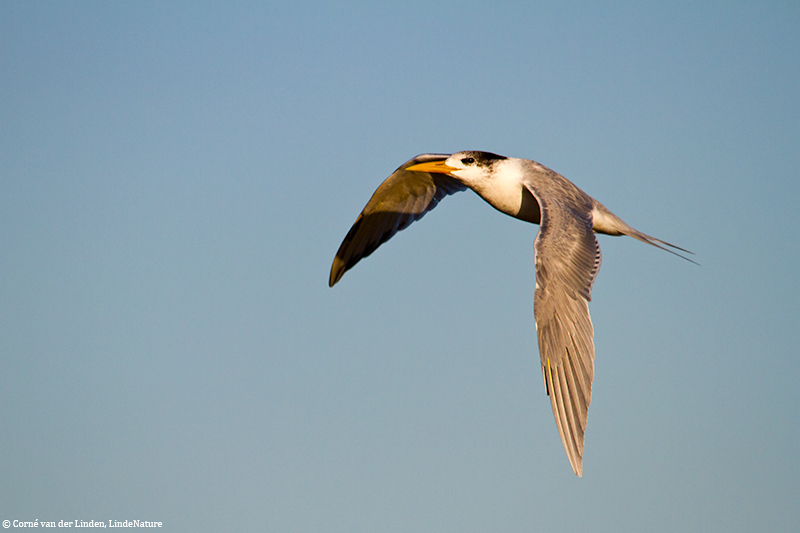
point(402, 198)
point(567, 258)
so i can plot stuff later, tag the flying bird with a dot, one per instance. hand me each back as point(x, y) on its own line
point(566, 256)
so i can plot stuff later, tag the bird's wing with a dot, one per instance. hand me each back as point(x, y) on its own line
point(402, 198)
point(567, 258)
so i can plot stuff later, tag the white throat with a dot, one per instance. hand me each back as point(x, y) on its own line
point(500, 185)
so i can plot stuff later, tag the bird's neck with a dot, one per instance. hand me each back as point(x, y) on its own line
point(505, 191)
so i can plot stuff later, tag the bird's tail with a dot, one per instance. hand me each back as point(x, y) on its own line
point(604, 221)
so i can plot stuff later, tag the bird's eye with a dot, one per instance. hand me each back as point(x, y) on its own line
point(468, 160)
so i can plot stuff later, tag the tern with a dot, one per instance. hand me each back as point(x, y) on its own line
point(566, 257)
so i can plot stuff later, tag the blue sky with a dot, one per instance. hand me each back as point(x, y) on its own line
point(175, 180)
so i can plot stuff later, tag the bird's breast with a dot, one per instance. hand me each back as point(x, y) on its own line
point(513, 199)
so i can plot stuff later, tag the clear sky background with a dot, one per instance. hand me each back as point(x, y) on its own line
point(176, 178)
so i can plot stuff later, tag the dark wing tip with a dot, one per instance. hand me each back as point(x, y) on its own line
point(335, 276)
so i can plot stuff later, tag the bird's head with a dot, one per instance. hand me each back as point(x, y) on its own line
point(470, 167)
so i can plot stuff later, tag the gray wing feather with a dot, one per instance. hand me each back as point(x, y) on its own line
point(567, 257)
point(400, 200)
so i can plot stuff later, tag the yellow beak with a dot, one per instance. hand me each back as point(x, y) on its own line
point(436, 167)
